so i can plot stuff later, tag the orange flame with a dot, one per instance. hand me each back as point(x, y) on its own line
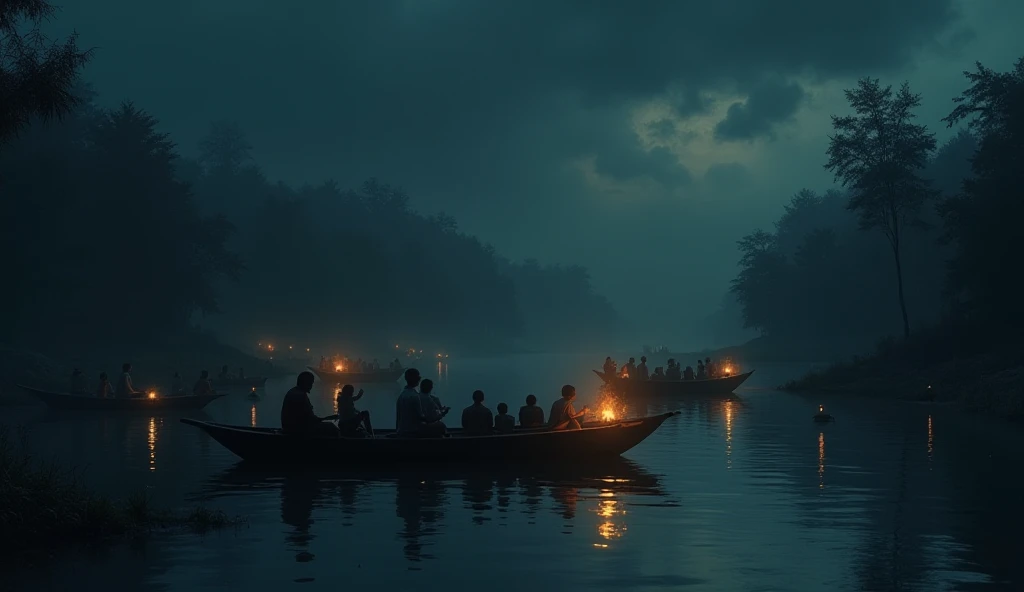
point(607, 414)
point(152, 395)
point(338, 367)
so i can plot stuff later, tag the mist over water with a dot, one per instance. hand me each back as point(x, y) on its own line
point(741, 492)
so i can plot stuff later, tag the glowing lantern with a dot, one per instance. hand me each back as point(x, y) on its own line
point(338, 367)
point(152, 394)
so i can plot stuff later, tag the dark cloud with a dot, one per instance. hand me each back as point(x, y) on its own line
point(476, 107)
point(769, 103)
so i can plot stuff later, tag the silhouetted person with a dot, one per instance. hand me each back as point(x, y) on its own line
point(105, 389)
point(125, 389)
point(297, 417)
point(203, 387)
point(433, 410)
point(609, 366)
point(477, 420)
point(659, 374)
point(708, 368)
point(563, 414)
point(530, 415)
point(503, 422)
point(673, 372)
point(701, 371)
point(630, 368)
point(688, 373)
point(224, 374)
point(241, 373)
point(641, 370)
point(410, 419)
point(177, 386)
point(78, 386)
point(351, 419)
point(375, 366)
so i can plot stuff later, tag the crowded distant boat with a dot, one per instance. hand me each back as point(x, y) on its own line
point(709, 377)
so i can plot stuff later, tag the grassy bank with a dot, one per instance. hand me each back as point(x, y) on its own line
point(945, 363)
point(44, 507)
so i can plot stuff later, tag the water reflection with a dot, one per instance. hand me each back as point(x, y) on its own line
point(931, 442)
point(821, 460)
point(423, 499)
point(728, 434)
point(252, 415)
point(151, 442)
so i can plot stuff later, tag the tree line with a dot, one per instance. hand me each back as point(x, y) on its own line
point(111, 235)
point(913, 235)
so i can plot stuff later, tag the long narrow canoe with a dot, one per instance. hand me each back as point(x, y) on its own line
point(708, 386)
point(271, 446)
point(380, 376)
point(235, 382)
point(89, 403)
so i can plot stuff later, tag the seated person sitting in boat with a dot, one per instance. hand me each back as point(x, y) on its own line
point(203, 387)
point(641, 371)
point(659, 374)
point(177, 386)
point(105, 389)
point(530, 415)
point(563, 414)
point(609, 366)
point(410, 418)
point(702, 372)
point(688, 373)
point(125, 389)
point(503, 422)
point(629, 369)
point(297, 417)
point(224, 374)
point(477, 420)
point(432, 407)
point(673, 372)
point(78, 386)
point(350, 419)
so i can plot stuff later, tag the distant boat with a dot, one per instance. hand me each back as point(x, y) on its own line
point(377, 376)
point(91, 403)
point(236, 382)
point(708, 386)
point(272, 446)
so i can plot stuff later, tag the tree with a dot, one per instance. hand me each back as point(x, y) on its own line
point(37, 75)
point(225, 149)
point(982, 222)
point(878, 154)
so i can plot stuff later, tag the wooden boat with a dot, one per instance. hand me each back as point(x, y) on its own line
point(709, 386)
point(90, 403)
point(271, 446)
point(235, 382)
point(380, 376)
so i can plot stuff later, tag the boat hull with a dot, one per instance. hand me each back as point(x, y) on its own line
point(256, 381)
point(271, 446)
point(382, 376)
point(710, 386)
point(142, 404)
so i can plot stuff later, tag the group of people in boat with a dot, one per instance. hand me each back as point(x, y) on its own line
point(333, 363)
point(126, 389)
point(705, 369)
point(419, 413)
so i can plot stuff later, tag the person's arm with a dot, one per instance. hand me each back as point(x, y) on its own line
point(358, 396)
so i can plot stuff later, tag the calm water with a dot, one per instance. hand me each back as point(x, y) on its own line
point(742, 493)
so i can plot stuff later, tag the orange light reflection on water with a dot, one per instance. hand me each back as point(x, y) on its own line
point(931, 440)
point(151, 441)
point(252, 415)
point(608, 508)
point(728, 434)
point(821, 460)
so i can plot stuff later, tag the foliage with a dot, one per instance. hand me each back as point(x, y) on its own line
point(983, 221)
point(37, 75)
point(877, 155)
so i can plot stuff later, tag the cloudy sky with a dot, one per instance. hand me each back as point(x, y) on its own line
point(638, 138)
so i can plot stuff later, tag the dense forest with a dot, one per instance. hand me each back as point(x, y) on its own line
point(111, 235)
point(943, 221)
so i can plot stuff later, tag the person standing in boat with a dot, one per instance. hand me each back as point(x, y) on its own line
point(710, 370)
point(297, 416)
point(563, 414)
point(78, 386)
point(410, 419)
point(350, 418)
point(125, 389)
point(629, 369)
point(609, 366)
point(530, 415)
point(477, 420)
point(641, 371)
point(701, 370)
point(203, 387)
point(105, 389)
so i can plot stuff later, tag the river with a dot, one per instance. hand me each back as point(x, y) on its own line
point(740, 493)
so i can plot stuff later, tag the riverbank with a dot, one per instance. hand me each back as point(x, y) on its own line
point(941, 365)
point(44, 508)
